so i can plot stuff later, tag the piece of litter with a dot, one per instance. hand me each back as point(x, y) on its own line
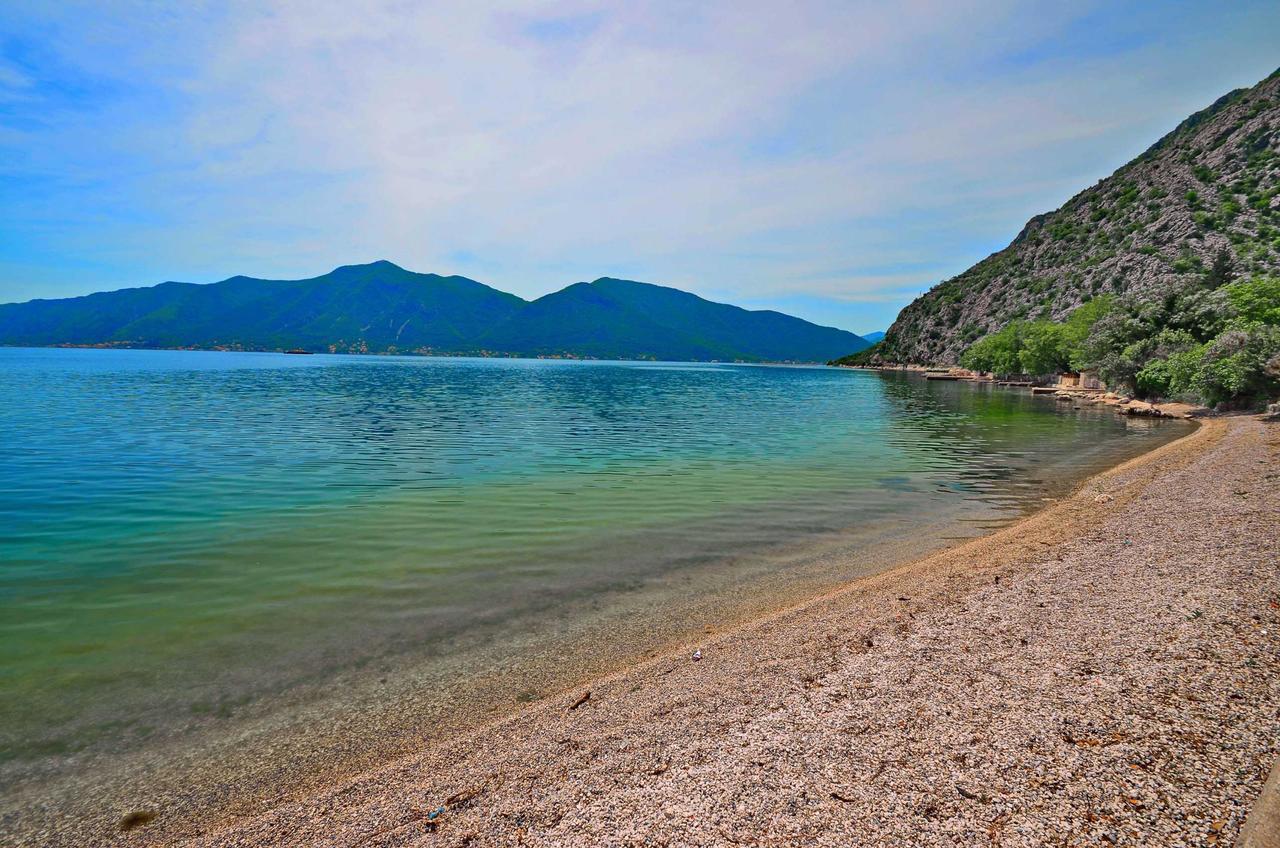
point(434, 814)
point(462, 797)
point(697, 655)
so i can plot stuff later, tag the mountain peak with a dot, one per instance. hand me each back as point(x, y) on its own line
point(620, 283)
point(381, 307)
point(376, 265)
point(598, 280)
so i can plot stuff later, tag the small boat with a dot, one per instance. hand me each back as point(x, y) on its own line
point(298, 350)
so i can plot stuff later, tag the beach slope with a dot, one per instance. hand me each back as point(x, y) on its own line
point(1106, 671)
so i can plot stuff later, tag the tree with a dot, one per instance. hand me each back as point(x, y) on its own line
point(997, 352)
point(1076, 329)
point(1222, 270)
point(1256, 300)
point(1043, 351)
point(1234, 368)
point(1173, 376)
point(1213, 340)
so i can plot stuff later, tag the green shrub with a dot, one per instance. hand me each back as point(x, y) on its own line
point(1208, 338)
point(866, 356)
point(1076, 329)
point(1173, 376)
point(1173, 359)
point(1256, 300)
point(1233, 370)
point(997, 352)
point(1043, 349)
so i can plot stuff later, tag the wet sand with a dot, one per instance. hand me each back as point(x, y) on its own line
point(1103, 670)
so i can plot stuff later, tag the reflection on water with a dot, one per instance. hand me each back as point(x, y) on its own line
point(183, 532)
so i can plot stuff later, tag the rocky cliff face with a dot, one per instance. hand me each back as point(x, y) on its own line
point(1209, 185)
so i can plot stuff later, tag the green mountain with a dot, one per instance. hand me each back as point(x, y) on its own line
point(1208, 188)
point(381, 307)
point(626, 319)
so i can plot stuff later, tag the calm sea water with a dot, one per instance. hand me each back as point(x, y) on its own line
point(185, 533)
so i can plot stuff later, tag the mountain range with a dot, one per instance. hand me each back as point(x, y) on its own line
point(383, 308)
point(1210, 186)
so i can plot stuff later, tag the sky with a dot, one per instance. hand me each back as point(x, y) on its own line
point(831, 160)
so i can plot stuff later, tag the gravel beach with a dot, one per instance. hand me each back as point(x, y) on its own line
point(1106, 672)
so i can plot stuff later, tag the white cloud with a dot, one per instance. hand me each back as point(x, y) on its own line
point(757, 149)
point(457, 132)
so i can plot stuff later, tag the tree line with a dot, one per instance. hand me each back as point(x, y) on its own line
point(1209, 339)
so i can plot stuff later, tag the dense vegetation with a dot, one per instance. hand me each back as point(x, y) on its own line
point(1147, 232)
point(382, 308)
point(869, 356)
point(1211, 340)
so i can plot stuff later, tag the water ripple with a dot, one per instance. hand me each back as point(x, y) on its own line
point(182, 528)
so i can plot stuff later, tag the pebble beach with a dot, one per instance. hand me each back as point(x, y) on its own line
point(1105, 672)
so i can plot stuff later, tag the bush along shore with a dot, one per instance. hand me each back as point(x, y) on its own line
point(1209, 186)
point(1160, 280)
point(1212, 340)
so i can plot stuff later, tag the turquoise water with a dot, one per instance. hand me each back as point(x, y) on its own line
point(183, 533)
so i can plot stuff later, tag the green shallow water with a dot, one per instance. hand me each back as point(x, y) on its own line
point(184, 535)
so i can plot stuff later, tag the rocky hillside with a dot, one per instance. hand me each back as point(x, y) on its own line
point(1208, 185)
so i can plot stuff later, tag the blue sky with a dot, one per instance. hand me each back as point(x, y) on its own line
point(832, 160)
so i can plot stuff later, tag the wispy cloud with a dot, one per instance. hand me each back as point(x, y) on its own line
point(752, 151)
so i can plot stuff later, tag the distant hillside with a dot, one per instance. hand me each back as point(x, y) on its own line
point(874, 337)
point(378, 307)
point(1159, 221)
point(622, 318)
point(381, 307)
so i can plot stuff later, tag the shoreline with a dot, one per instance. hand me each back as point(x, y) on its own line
point(415, 354)
point(1123, 405)
point(1020, 538)
point(203, 768)
point(605, 768)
